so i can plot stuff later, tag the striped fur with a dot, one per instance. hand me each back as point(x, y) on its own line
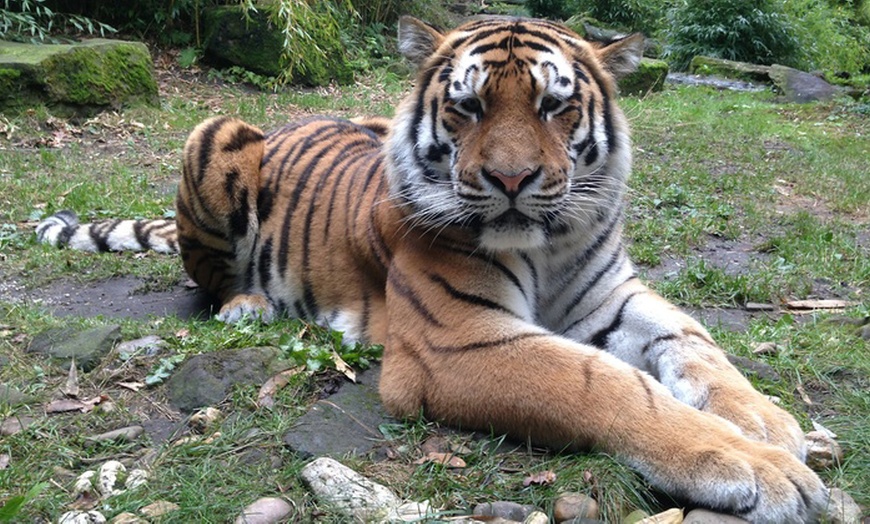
point(478, 236)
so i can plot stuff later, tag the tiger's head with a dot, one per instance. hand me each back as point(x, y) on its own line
point(511, 130)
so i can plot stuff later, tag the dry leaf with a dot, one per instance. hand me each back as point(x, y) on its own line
point(588, 476)
point(132, 386)
point(85, 500)
point(156, 509)
point(70, 404)
point(445, 459)
point(182, 333)
point(542, 478)
point(71, 387)
point(803, 394)
point(671, 516)
point(342, 366)
point(4, 461)
point(265, 398)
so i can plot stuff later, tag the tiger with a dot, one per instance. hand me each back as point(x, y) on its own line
point(478, 235)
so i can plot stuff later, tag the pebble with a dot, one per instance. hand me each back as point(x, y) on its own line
point(267, 510)
point(205, 419)
point(703, 516)
point(158, 508)
point(842, 509)
point(671, 516)
point(537, 517)
point(82, 517)
point(504, 509)
point(569, 506)
point(823, 452)
point(109, 473)
point(13, 425)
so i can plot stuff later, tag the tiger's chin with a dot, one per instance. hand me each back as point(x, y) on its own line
point(512, 237)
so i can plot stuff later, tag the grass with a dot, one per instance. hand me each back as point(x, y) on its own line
point(735, 199)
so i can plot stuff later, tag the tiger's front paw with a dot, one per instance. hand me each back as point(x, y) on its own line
point(253, 307)
point(755, 481)
point(759, 419)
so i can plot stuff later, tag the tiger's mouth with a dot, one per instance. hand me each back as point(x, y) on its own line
point(515, 218)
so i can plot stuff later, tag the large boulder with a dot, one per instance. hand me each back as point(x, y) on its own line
point(801, 87)
point(83, 77)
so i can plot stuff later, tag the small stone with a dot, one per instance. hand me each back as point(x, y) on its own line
point(842, 508)
point(82, 517)
point(537, 517)
point(703, 516)
point(127, 434)
point(671, 516)
point(13, 425)
point(136, 478)
point(127, 518)
point(336, 485)
point(84, 483)
point(752, 368)
point(146, 346)
point(109, 473)
point(635, 516)
point(266, 510)
point(158, 508)
point(504, 509)
point(766, 348)
point(823, 452)
point(756, 306)
point(204, 419)
point(569, 506)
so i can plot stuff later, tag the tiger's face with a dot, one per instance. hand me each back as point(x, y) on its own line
point(511, 130)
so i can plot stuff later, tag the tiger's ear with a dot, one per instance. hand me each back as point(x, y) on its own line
point(417, 39)
point(622, 56)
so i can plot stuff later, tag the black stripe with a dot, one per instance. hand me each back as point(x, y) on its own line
point(578, 298)
point(599, 339)
point(206, 144)
point(653, 342)
point(485, 344)
point(469, 298)
point(244, 136)
point(396, 281)
point(650, 397)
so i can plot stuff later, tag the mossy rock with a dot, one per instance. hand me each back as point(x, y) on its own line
point(650, 76)
point(82, 78)
point(706, 65)
point(251, 41)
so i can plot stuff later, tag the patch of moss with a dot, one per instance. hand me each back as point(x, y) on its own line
point(650, 76)
point(706, 65)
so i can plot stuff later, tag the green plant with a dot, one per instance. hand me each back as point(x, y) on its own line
point(34, 21)
point(9, 511)
point(831, 39)
point(633, 15)
point(747, 30)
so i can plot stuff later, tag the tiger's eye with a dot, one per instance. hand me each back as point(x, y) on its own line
point(550, 103)
point(471, 105)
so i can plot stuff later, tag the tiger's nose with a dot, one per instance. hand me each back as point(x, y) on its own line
point(510, 184)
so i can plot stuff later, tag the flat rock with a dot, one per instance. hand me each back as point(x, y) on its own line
point(751, 367)
point(206, 379)
point(843, 509)
point(504, 509)
point(88, 347)
point(707, 65)
point(570, 506)
point(81, 77)
point(801, 87)
point(345, 423)
point(267, 510)
point(703, 516)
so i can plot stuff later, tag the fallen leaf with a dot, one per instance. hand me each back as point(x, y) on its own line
point(70, 404)
point(588, 476)
point(132, 386)
point(4, 460)
point(445, 459)
point(182, 333)
point(265, 397)
point(342, 366)
point(803, 394)
point(85, 500)
point(542, 478)
point(156, 509)
point(71, 386)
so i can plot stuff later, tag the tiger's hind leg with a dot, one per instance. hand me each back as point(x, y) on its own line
point(217, 214)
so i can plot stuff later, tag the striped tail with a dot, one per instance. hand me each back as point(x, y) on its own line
point(64, 230)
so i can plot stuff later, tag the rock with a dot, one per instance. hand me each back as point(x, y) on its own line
point(635, 516)
point(127, 434)
point(136, 478)
point(766, 348)
point(671, 516)
point(537, 517)
point(206, 379)
point(82, 517)
point(267, 510)
point(569, 506)
point(649, 77)
point(703, 516)
point(801, 87)
point(79, 78)
point(842, 509)
point(88, 347)
point(504, 509)
point(109, 473)
point(11, 397)
point(336, 485)
point(823, 452)
point(159, 508)
point(205, 419)
point(344, 423)
point(751, 367)
point(146, 346)
point(15, 424)
point(706, 65)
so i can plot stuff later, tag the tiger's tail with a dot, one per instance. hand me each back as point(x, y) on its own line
point(64, 230)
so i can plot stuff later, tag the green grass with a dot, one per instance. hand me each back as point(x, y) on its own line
point(785, 187)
